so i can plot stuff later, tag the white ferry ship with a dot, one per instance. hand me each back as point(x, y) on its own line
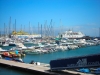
point(71, 34)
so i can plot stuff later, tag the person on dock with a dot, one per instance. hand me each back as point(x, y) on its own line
point(20, 59)
point(37, 63)
point(32, 62)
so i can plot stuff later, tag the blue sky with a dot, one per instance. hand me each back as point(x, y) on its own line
point(78, 15)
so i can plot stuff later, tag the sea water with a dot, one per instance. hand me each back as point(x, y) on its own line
point(45, 58)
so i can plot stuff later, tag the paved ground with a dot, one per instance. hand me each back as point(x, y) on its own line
point(44, 68)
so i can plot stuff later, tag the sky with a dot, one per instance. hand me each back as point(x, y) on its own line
point(76, 15)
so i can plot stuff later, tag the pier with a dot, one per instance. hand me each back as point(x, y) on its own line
point(43, 68)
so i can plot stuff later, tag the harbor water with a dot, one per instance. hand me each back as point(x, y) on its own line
point(45, 58)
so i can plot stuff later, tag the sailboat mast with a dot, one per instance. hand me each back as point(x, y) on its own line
point(51, 28)
point(29, 28)
point(24, 28)
point(46, 29)
point(38, 28)
point(4, 29)
point(41, 31)
point(21, 27)
point(15, 27)
point(9, 25)
point(0, 32)
point(53, 31)
point(99, 31)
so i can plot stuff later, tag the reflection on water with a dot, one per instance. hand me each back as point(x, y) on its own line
point(10, 71)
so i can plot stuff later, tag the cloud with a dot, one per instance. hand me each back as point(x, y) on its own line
point(91, 24)
point(95, 29)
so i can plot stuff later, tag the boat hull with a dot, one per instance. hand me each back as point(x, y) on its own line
point(76, 62)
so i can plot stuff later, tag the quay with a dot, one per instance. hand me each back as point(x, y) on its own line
point(43, 68)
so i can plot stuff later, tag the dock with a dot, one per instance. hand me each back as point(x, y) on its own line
point(43, 68)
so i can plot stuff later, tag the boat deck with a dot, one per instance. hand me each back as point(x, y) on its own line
point(38, 69)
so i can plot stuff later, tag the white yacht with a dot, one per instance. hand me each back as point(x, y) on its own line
point(71, 34)
point(2, 50)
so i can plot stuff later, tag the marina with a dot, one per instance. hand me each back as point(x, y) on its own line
point(49, 37)
point(44, 51)
point(18, 51)
point(43, 58)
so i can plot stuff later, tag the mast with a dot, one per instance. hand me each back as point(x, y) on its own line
point(21, 27)
point(46, 29)
point(99, 31)
point(0, 32)
point(33, 30)
point(10, 26)
point(51, 28)
point(24, 28)
point(38, 28)
point(15, 27)
point(41, 31)
point(61, 29)
point(4, 29)
point(29, 28)
point(60, 26)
